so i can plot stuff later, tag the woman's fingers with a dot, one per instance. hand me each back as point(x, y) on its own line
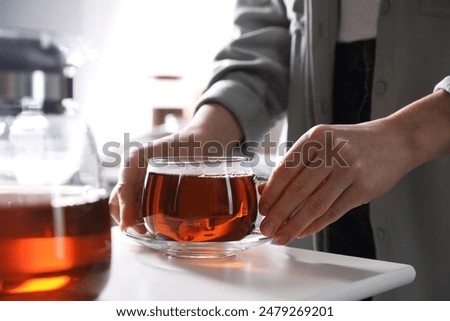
point(114, 207)
point(298, 189)
point(278, 181)
point(293, 163)
point(130, 205)
point(349, 199)
point(317, 204)
point(125, 199)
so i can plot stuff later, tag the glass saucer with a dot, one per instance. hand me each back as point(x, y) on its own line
point(205, 250)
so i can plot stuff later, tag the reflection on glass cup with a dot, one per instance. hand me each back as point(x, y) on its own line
point(55, 242)
point(200, 199)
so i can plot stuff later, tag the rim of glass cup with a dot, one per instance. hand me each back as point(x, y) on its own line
point(202, 165)
point(198, 160)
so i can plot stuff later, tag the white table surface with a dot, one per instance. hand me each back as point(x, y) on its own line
point(268, 272)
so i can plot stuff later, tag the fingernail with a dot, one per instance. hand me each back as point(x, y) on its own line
point(281, 239)
point(267, 228)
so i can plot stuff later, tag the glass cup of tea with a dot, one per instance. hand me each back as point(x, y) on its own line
point(200, 199)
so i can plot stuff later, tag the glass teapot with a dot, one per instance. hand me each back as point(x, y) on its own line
point(55, 239)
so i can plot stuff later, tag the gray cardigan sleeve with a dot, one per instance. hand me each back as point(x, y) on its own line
point(250, 75)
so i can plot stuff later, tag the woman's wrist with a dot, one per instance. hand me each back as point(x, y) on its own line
point(423, 127)
point(215, 123)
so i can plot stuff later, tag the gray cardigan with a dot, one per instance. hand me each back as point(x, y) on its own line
point(282, 62)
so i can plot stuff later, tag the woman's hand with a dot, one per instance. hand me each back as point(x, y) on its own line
point(211, 123)
point(334, 168)
point(125, 199)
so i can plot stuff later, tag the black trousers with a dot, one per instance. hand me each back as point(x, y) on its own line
point(353, 78)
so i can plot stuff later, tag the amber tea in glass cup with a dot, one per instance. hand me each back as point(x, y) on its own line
point(200, 199)
point(55, 242)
